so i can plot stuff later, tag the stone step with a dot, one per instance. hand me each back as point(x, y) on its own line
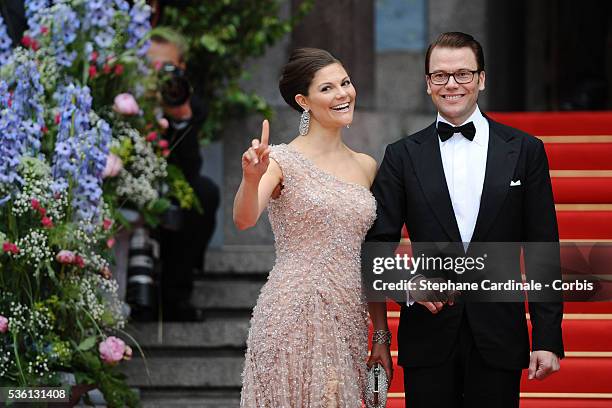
point(237, 260)
point(226, 293)
point(181, 398)
point(194, 370)
point(212, 333)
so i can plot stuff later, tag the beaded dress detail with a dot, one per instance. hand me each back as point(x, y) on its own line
point(308, 341)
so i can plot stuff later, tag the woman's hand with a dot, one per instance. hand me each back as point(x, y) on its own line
point(256, 159)
point(381, 354)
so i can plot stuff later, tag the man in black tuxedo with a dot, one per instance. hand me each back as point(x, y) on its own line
point(468, 179)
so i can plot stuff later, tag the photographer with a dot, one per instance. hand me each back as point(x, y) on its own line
point(182, 249)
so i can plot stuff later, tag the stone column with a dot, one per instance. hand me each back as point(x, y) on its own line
point(346, 29)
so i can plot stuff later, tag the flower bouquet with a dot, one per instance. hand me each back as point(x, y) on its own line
point(78, 141)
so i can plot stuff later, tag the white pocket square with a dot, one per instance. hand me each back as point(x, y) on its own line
point(515, 183)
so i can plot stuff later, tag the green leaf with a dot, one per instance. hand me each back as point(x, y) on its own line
point(211, 43)
point(150, 219)
point(88, 343)
point(51, 272)
point(160, 205)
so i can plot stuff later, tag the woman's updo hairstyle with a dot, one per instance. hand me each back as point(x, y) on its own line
point(299, 71)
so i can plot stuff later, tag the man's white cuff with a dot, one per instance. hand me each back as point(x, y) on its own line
point(409, 300)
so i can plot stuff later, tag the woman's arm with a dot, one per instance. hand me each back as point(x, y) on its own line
point(260, 177)
point(253, 196)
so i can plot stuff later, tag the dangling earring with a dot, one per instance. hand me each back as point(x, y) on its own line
point(304, 122)
point(348, 126)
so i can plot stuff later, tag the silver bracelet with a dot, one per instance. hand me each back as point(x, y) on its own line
point(381, 337)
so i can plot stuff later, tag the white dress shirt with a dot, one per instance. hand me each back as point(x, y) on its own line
point(465, 164)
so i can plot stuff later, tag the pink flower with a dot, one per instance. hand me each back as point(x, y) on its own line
point(118, 69)
point(107, 69)
point(106, 224)
point(10, 248)
point(111, 350)
point(163, 123)
point(78, 261)
point(4, 327)
point(106, 273)
point(65, 257)
point(125, 104)
point(46, 222)
point(151, 136)
point(166, 152)
point(163, 144)
point(128, 353)
point(58, 118)
point(44, 30)
point(94, 56)
point(35, 204)
point(110, 242)
point(113, 166)
point(93, 71)
point(26, 41)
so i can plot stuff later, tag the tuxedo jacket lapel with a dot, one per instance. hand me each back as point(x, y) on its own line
point(430, 173)
point(501, 160)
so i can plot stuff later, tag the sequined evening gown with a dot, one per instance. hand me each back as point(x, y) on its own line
point(308, 342)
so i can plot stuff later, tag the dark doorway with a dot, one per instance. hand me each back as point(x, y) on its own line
point(550, 55)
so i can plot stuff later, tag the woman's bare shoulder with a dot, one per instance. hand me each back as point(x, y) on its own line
point(367, 163)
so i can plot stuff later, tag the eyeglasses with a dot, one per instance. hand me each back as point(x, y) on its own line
point(463, 76)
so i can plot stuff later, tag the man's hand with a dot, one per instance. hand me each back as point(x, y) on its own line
point(433, 300)
point(542, 364)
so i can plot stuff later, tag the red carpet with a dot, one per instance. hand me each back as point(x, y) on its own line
point(582, 190)
point(579, 149)
point(578, 156)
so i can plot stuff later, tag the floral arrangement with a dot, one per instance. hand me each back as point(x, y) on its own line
point(78, 141)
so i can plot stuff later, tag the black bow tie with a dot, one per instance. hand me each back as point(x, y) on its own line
point(446, 131)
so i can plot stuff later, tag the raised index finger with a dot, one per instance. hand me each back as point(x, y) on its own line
point(265, 132)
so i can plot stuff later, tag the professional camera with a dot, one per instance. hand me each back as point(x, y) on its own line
point(141, 288)
point(175, 88)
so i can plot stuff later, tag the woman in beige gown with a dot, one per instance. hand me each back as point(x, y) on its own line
point(307, 345)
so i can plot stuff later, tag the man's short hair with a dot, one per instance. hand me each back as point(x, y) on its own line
point(457, 40)
point(167, 35)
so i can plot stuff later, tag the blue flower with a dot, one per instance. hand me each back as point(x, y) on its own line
point(11, 147)
point(21, 120)
point(138, 27)
point(65, 24)
point(4, 94)
point(28, 97)
point(62, 149)
point(5, 43)
point(122, 5)
point(80, 152)
point(98, 21)
point(34, 14)
point(104, 40)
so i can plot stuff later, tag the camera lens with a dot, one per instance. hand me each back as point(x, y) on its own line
point(174, 88)
point(141, 273)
